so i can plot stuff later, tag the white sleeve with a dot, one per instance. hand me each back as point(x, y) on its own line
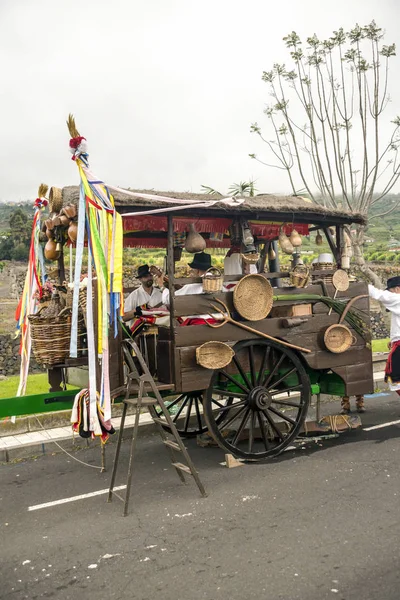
point(130, 302)
point(390, 300)
point(165, 297)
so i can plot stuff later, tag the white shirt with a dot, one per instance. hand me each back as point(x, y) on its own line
point(390, 301)
point(139, 297)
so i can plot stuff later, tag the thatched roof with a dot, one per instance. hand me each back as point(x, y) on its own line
point(263, 206)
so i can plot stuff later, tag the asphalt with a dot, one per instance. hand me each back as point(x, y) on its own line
point(319, 522)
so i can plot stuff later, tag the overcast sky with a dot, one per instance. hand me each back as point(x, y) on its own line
point(163, 90)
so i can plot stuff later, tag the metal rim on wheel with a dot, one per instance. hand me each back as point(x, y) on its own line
point(259, 418)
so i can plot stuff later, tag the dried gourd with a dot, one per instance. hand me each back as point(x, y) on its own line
point(194, 241)
point(295, 239)
point(285, 243)
point(318, 239)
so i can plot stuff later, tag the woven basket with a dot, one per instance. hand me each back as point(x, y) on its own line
point(55, 200)
point(339, 338)
point(340, 280)
point(251, 258)
point(51, 337)
point(253, 297)
point(212, 281)
point(214, 355)
point(300, 276)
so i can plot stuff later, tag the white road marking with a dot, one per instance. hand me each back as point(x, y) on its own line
point(73, 498)
point(381, 425)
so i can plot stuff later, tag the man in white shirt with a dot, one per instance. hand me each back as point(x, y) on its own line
point(390, 298)
point(145, 295)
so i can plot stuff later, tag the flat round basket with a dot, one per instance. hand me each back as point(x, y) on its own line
point(55, 200)
point(214, 355)
point(338, 338)
point(340, 280)
point(253, 297)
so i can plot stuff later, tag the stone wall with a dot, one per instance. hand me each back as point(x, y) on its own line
point(9, 357)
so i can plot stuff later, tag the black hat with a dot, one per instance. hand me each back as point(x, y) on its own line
point(143, 270)
point(393, 282)
point(201, 261)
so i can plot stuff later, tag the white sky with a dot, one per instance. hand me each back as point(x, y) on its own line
point(163, 90)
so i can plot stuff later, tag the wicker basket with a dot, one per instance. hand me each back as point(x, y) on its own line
point(253, 297)
point(212, 281)
point(51, 337)
point(251, 258)
point(339, 338)
point(300, 276)
point(55, 200)
point(214, 355)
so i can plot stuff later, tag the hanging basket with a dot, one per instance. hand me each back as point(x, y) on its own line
point(55, 200)
point(253, 297)
point(51, 337)
point(214, 355)
point(212, 281)
point(339, 338)
point(251, 258)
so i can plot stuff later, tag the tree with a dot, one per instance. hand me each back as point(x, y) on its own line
point(15, 244)
point(243, 188)
point(325, 126)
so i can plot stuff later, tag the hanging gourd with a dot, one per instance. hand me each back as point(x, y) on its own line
point(285, 243)
point(271, 253)
point(194, 241)
point(295, 239)
point(318, 239)
point(50, 250)
point(73, 231)
point(64, 221)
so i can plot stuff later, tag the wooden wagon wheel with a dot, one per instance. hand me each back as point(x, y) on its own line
point(187, 412)
point(259, 418)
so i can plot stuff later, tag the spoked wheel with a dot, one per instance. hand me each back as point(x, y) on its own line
point(187, 413)
point(259, 419)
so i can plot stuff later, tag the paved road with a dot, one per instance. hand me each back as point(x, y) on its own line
point(317, 523)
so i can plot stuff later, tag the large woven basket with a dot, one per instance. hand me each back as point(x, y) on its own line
point(55, 200)
point(339, 338)
point(214, 355)
point(253, 297)
point(51, 337)
point(212, 281)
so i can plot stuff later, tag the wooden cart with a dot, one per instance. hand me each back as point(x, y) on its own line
point(255, 406)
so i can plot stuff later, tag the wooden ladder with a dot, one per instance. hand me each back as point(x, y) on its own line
point(137, 386)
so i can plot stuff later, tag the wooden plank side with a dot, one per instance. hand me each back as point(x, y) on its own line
point(358, 378)
point(198, 304)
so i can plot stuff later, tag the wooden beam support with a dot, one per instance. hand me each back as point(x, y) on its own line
point(332, 245)
point(171, 282)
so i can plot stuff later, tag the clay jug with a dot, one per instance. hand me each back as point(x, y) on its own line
point(194, 241)
point(50, 250)
point(70, 211)
point(271, 253)
point(64, 221)
point(73, 231)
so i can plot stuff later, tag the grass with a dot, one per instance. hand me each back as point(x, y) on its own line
point(37, 384)
point(380, 345)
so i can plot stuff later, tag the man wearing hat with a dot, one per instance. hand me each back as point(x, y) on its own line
point(145, 295)
point(390, 298)
point(200, 264)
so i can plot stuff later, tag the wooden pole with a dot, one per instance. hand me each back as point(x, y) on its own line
point(171, 285)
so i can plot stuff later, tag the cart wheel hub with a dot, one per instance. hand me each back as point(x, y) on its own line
point(259, 398)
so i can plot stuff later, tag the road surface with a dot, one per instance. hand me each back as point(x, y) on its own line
point(320, 522)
